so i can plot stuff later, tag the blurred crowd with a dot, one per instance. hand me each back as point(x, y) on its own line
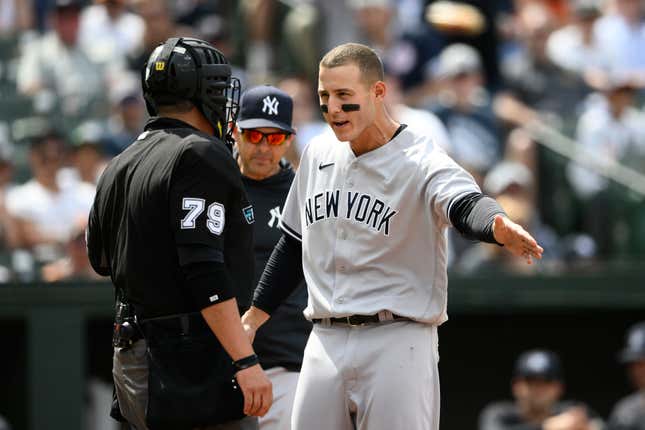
point(480, 76)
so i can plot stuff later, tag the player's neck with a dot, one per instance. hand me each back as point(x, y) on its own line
point(194, 118)
point(376, 135)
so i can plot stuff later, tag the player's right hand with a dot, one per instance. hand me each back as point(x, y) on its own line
point(515, 239)
point(257, 390)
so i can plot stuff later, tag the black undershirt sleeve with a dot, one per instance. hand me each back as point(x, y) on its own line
point(282, 274)
point(208, 283)
point(473, 216)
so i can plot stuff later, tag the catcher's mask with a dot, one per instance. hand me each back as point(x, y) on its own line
point(185, 68)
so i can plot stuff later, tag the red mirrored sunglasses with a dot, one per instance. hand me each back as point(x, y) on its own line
point(273, 139)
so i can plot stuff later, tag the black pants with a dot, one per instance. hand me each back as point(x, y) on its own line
point(130, 373)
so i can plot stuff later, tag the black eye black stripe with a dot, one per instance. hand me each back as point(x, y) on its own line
point(346, 108)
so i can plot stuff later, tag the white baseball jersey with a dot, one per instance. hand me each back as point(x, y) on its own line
point(373, 227)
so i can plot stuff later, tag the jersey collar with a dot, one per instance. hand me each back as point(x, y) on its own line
point(160, 123)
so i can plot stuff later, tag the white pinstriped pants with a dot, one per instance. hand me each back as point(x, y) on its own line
point(374, 377)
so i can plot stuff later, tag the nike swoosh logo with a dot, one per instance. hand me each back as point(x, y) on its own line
point(322, 166)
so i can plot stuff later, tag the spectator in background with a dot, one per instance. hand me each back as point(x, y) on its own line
point(216, 30)
point(6, 166)
point(88, 155)
point(428, 123)
point(109, 32)
point(44, 209)
point(629, 412)
point(621, 37)
point(6, 185)
point(475, 23)
point(406, 51)
point(75, 265)
point(128, 116)
point(534, 85)
point(283, 36)
point(190, 12)
point(538, 386)
point(58, 73)
point(375, 20)
point(159, 25)
point(610, 130)
point(126, 124)
point(465, 108)
point(574, 48)
point(16, 16)
point(306, 116)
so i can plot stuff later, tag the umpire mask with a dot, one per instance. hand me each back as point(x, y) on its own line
point(192, 69)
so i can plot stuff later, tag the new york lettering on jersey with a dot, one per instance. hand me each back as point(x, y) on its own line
point(352, 205)
point(361, 217)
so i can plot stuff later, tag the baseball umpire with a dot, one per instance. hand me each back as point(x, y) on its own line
point(365, 222)
point(171, 226)
point(262, 138)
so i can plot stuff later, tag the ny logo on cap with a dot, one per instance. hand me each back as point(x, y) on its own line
point(270, 104)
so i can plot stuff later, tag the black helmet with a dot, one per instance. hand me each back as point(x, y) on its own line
point(635, 346)
point(184, 68)
point(539, 363)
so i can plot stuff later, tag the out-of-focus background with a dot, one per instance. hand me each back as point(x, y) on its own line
point(541, 100)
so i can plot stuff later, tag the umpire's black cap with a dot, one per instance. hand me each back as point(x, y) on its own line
point(635, 347)
point(266, 106)
point(540, 364)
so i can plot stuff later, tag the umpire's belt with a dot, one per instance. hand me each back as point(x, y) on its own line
point(358, 320)
point(187, 324)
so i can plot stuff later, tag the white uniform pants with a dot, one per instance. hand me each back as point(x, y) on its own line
point(284, 390)
point(373, 377)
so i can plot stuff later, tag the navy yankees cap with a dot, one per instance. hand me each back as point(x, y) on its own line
point(539, 363)
point(265, 106)
point(635, 346)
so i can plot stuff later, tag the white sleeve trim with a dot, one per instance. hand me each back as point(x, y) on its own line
point(290, 231)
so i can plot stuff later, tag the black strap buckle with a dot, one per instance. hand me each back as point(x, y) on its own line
point(356, 320)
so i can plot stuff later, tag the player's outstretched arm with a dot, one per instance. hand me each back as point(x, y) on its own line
point(516, 239)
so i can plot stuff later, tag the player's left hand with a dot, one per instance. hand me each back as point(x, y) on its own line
point(516, 239)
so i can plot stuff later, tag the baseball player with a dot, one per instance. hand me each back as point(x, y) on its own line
point(629, 412)
point(263, 136)
point(538, 386)
point(365, 224)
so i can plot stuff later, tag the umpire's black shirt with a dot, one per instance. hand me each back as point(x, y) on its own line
point(281, 341)
point(167, 211)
